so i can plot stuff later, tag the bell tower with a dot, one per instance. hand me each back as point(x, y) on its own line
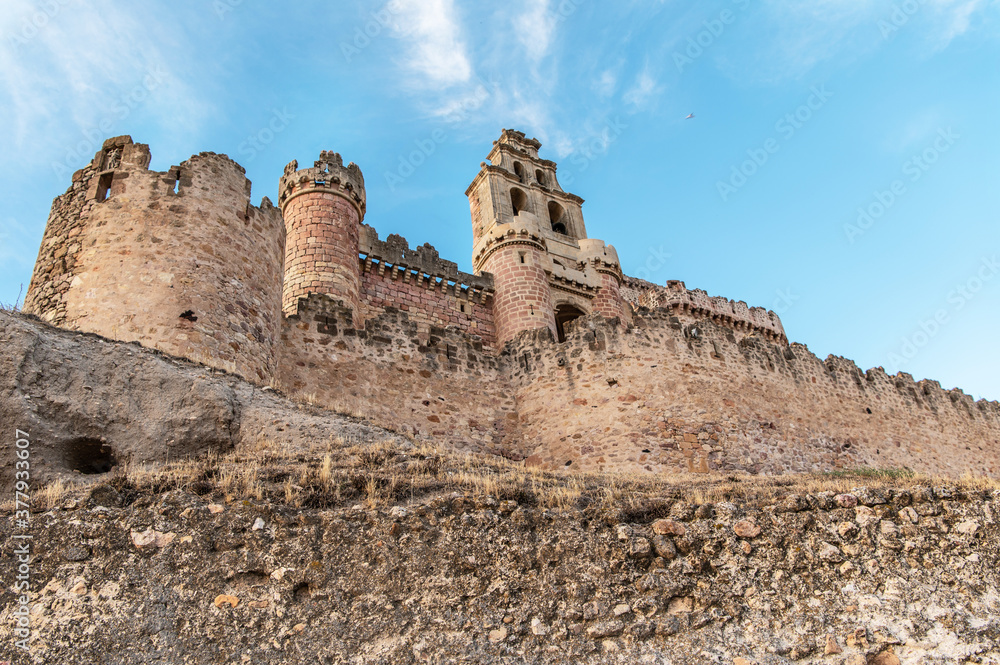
point(530, 235)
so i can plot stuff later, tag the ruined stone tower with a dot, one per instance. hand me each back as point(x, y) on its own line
point(323, 208)
point(180, 260)
point(530, 235)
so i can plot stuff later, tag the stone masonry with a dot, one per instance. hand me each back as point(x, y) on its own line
point(547, 353)
point(323, 207)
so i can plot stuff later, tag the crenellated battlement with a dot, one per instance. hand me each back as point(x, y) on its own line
point(423, 262)
point(179, 260)
point(692, 398)
point(328, 174)
point(546, 352)
point(696, 303)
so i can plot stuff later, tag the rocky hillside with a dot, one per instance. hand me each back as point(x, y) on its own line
point(285, 534)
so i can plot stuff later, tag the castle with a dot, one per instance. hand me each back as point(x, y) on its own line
point(547, 353)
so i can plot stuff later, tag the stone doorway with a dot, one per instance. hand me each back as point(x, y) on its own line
point(564, 314)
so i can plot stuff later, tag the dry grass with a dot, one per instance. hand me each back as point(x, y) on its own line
point(52, 495)
point(386, 472)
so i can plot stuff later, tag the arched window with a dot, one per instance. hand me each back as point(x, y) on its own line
point(519, 172)
point(539, 176)
point(518, 200)
point(557, 218)
point(564, 314)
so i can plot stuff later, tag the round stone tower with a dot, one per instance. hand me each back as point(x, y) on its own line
point(515, 255)
point(323, 207)
point(604, 259)
point(180, 261)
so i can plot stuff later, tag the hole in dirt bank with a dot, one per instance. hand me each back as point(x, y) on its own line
point(90, 456)
point(302, 592)
point(188, 315)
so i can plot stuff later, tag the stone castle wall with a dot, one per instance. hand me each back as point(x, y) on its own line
point(180, 261)
point(669, 397)
point(523, 299)
point(432, 291)
point(429, 383)
point(695, 304)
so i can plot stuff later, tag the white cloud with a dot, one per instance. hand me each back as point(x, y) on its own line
point(642, 90)
point(535, 27)
point(69, 66)
point(436, 49)
point(957, 18)
point(915, 130)
point(805, 33)
point(605, 84)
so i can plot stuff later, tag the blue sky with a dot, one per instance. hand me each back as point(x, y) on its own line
point(842, 167)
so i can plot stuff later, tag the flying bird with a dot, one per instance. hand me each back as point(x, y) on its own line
point(689, 116)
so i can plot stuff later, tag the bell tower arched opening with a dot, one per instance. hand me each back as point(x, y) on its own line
point(557, 218)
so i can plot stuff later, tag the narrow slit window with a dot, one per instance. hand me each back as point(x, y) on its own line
point(104, 187)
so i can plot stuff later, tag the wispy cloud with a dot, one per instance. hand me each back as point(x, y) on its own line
point(435, 45)
point(642, 90)
point(534, 27)
point(79, 61)
point(806, 33)
point(606, 83)
point(956, 19)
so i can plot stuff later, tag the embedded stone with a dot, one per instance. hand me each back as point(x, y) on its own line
point(830, 553)
point(847, 530)
point(604, 629)
point(668, 528)
point(639, 548)
point(664, 547)
point(846, 500)
point(746, 529)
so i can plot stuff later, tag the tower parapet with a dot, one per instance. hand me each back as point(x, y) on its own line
point(531, 235)
point(323, 207)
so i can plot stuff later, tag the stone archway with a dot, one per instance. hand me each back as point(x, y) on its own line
point(564, 314)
